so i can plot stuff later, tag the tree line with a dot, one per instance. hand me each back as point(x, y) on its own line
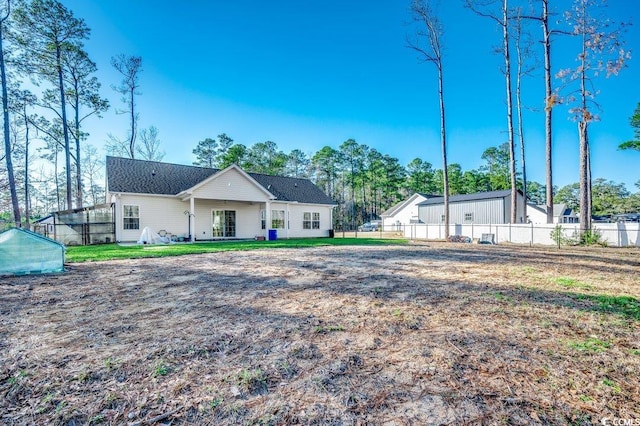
point(365, 182)
point(50, 91)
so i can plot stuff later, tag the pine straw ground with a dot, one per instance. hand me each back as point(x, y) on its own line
point(419, 334)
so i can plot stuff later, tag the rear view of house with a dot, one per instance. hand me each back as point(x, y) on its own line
point(199, 203)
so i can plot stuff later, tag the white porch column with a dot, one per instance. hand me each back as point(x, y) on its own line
point(267, 219)
point(192, 220)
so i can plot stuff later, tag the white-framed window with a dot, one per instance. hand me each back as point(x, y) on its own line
point(263, 219)
point(442, 218)
point(468, 217)
point(311, 220)
point(131, 217)
point(277, 219)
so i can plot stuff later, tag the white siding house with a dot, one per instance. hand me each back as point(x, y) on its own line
point(404, 213)
point(561, 214)
point(483, 207)
point(199, 203)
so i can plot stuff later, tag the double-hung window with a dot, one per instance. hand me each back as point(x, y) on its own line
point(311, 220)
point(131, 217)
point(277, 219)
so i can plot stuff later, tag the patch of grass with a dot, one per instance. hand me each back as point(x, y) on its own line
point(253, 381)
point(21, 374)
point(613, 385)
point(161, 369)
point(592, 344)
point(324, 329)
point(83, 376)
point(626, 306)
point(634, 352)
point(97, 419)
point(567, 282)
point(501, 297)
point(215, 403)
point(116, 251)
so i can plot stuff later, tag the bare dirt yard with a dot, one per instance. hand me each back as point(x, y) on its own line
point(426, 333)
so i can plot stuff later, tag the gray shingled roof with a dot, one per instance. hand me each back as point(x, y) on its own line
point(468, 197)
point(152, 177)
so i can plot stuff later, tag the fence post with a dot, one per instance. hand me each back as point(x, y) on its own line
point(531, 244)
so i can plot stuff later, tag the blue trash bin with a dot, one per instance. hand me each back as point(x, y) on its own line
point(273, 234)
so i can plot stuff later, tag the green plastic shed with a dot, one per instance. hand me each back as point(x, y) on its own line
point(25, 252)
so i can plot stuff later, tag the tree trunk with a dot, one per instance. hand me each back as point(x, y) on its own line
point(77, 140)
point(65, 129)
point(443, 139)
point(7, 137)
point(132, 140)
point(27, 212)
point(548, 110)
point(521, 126)
point(507, 72)
point(585, 218)
point(56, 178)
point(583, 131)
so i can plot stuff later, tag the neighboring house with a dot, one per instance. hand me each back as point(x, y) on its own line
point(404, 213)
point(199, 203)
point(561, 214)
point(482, 207)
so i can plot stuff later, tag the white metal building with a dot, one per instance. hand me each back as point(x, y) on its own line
point(482, 207)
point(404, 213)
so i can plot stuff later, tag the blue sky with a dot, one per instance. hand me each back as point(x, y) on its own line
point(306, 74)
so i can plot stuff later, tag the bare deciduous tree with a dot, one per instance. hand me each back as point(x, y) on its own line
point(601, 51)
point(428, 43)
point(523, 45)
point(502, 18)
point(149, 146)
point(130, 68)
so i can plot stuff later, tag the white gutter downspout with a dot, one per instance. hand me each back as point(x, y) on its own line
point(192, 222)
point(115, 198)
point(286, 232)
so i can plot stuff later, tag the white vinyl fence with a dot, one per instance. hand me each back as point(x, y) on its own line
point(623, 234)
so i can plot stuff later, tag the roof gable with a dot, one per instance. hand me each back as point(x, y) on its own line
point(216, 185)
point(402, 204)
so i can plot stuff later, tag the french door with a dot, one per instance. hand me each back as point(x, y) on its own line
point(224, 223)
